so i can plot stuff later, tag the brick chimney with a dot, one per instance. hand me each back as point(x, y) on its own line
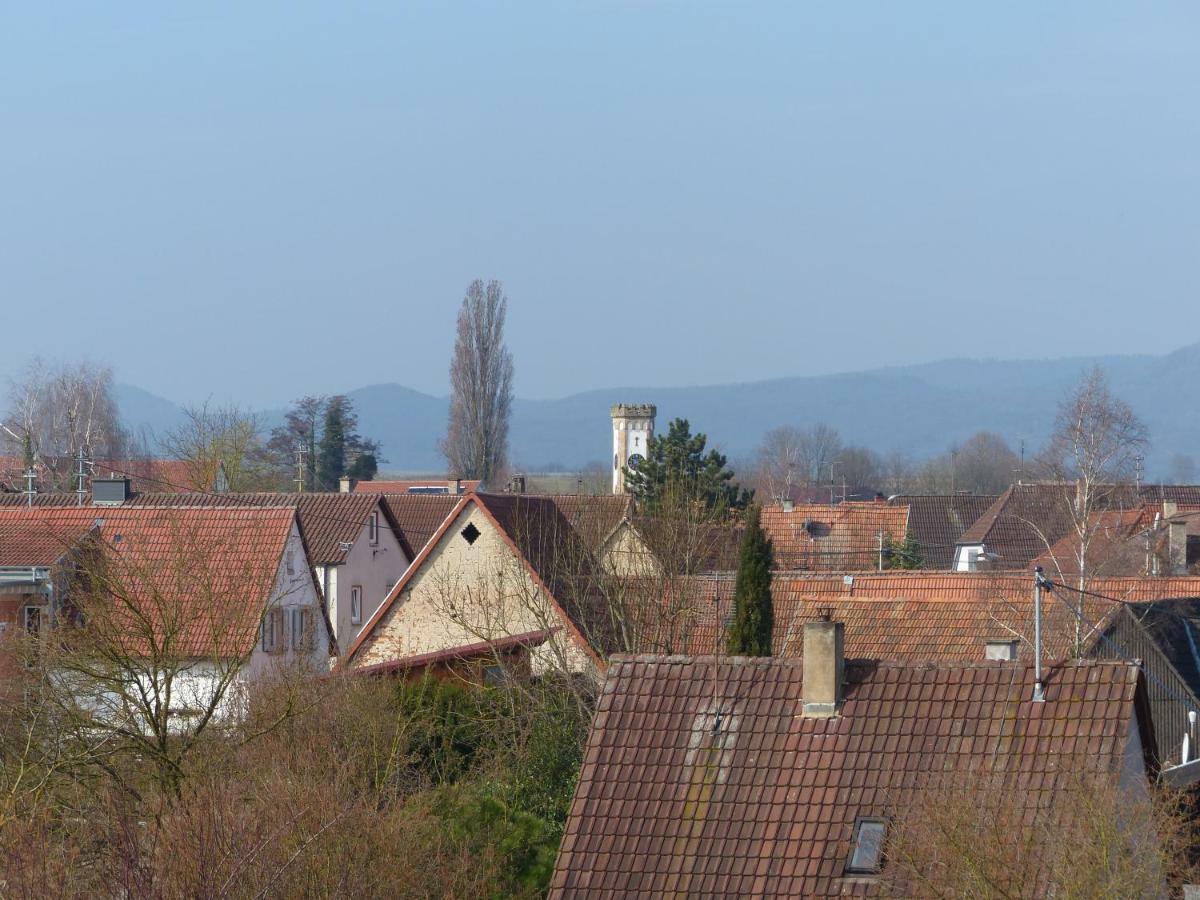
point(824, 662)
point(454, 485)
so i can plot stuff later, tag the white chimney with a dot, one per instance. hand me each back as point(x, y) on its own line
point(345, 484)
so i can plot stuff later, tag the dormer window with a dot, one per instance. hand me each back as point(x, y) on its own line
point(866, 856)
point(1005, 650)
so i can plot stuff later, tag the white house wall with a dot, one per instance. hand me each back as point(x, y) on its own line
point(375, 568)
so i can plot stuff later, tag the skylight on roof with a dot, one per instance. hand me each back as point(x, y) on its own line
point(866, 858)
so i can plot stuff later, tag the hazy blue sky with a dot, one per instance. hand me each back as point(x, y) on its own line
point(268, 200)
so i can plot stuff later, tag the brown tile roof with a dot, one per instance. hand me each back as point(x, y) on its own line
point(328, 520)
point(1116, 544)
point(937, 521)
point(838, 538)
point(417, 517)
point(691, 548)
point(415, 486)
point(592, 517)
point(912, 616)
point(702, 778)
point(211, 571)
point(1029, 518)
point(1183, 494)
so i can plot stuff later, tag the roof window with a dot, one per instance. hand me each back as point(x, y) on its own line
point(866, 857)
point(1005, 650)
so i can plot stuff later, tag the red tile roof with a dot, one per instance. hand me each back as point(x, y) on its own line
point(913, 616)
point(29, 540)
point(840, 538)
point(209, 571)
point(702, 777)
point(1117, 544)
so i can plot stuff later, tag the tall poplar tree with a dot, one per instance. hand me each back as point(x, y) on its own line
point(753, 612)
point(481, 374)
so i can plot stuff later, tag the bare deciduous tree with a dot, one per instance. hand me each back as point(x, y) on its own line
point(968, 835)
point(212, 438)
point(481, 374)
point(1093, 453)
point(62, 410)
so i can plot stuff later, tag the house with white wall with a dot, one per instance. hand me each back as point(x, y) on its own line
point(209, 599)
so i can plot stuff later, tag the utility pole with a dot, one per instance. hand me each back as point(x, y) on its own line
point(1138, 463)
point(880, 549)
point(1039, 689)
point(301, 452)
point(30, 490)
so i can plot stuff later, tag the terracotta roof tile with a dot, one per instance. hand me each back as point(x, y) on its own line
point(212, 570)
point(843, 537)
point(762, 801)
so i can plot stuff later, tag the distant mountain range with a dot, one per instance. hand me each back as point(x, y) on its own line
point(919, 409)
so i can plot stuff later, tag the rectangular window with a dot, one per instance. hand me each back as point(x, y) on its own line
point(1006, 650)
point(33, 619)
point(866, 856)
point(373, 529)
point(270, 635)
point(291, 562)
point(356, 605)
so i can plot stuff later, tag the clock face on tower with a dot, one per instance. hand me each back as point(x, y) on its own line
point(635, 460)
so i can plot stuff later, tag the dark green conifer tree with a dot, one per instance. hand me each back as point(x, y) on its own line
point(753, 614)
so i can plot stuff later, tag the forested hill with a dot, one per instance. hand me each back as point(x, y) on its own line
point(917, 409)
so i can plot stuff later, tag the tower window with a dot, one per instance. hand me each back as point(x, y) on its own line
point(470, 534)
point(616, 463)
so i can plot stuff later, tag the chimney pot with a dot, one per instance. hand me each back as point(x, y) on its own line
point(824, 664)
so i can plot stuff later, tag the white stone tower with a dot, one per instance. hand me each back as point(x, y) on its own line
point(633, 425)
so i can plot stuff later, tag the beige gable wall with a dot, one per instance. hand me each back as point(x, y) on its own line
point(465, 593)
point(625, 555)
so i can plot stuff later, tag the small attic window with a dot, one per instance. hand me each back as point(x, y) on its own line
point(1005, 650)
point(470, 534)
point(866, 857)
